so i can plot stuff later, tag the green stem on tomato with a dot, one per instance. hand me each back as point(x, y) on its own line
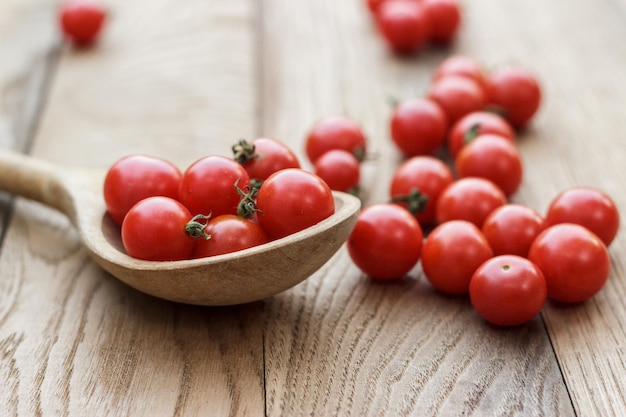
point(247, 204)
point(197, 225)
point(471, 133)
point(416, 201)
point(243, 151)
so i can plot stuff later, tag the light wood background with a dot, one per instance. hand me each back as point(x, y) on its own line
point(185, 79)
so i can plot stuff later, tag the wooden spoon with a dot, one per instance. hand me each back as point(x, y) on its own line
point(235, 278)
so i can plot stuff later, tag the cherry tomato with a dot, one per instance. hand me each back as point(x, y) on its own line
point(508, 290)
point(494, 158)
point(574, 262)
point(291, 200)
point(457, 96)
point(463, 66)
point(418, 127)
point(417, 184)
point(335, 133)
point(340, 170)
point(403, 24)
point(474, 124)
point(263, 157)
point(386, 241)
point(135, 177)
point(512, 228)
point(81, 21)
point(445, 19)
point(209, 186)
point(515, 93)
point(471, 199)
point(154, 230)
point(451, 254)
point(587, 207)
point(229, 233)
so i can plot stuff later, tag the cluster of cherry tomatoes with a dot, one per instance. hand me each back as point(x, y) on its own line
point(336, 146)
point(409, 25)
point(506, 256)
point(217, 205)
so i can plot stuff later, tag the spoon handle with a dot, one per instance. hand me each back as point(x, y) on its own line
point(34, 179)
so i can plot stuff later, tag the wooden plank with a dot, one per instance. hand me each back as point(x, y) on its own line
point(73, 340)
point(157, 88)
point(340, 344)
point(26, 51)
point(27, 42)
point(577, 140)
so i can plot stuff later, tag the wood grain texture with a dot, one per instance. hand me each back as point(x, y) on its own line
point(73, 340)
point(27, 44)
point(576, 140)
point(27, 53)
point(340, 344)
point(161, 81)
point(183, 82)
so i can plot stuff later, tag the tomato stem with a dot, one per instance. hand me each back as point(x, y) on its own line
point(255, 184)
point(360, 153)
point(416, 201)
point(371, 156)
point(471, 133)
point(197, 225)
point(247, 204)
point(243, 151)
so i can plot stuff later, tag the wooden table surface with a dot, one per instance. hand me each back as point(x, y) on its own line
point(183, 80)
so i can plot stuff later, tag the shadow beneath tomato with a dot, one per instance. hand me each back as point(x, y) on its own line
point(568, 306)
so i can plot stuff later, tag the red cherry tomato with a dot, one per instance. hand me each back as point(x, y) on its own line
point(418, 127)
point(445, 19)
point(508, 290)
point(417, 184)
point(587, 207)
point(574, 262)
point(208, 186)
point(403, 24)
point(451, 254)
point(494, 158)
point(339, 169)
point(229, 233)
point(515, 93)
point(462, 66)
point(135, 177)
point(335, 133)
point(457, 96)
point(471, 199)
point(512, 228)
point(474, 124)
point(81, 21)
point(291, 200)
point(263, 157)
point(386, 241)
point(154, 230)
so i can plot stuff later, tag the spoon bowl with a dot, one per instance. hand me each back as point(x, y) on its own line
point(235, 278)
